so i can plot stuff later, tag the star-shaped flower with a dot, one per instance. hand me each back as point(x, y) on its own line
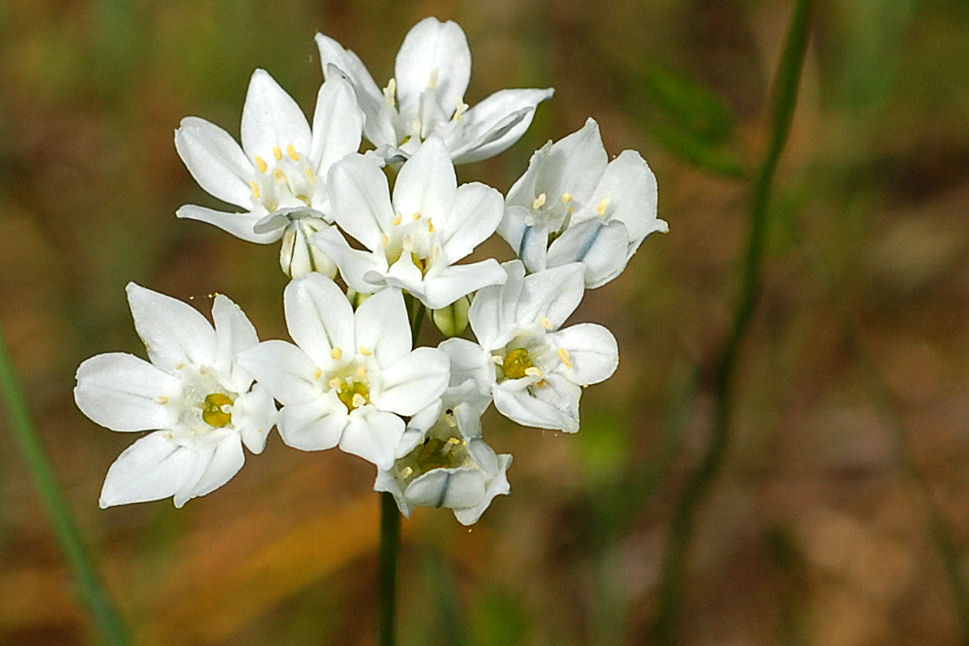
point(279, 174)
point(351, 375)
point(193, 391)
point(573, 205)
point(426, 96)
point(534, 370)
point(412, 241)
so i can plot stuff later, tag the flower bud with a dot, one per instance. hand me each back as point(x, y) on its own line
point(453, 319)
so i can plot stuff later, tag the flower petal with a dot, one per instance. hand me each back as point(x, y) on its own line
point(233, 333)
point(337, 124)
point(554, 406)
point(451, 283)
point(175, 333)
point(629, 183)
point(492, 313)
point(215, 160)
point(599, 246)
point(354, 264)
point(473, 219)
point(319, 318)
point(152, 468)
point(224, 463)
point(434, 54)
point(497, 486)
point(494, 124)
point(469, 361)
point(371, 100)
point(414, 382)
point(360, 199)
point(373, 435)
point(553, 294)
point(426, 184)
point(284, 369)
point(381, 325)
point(124, 393)
point(315, 425)
point(271, 119)
point(241, 225)
point(254, 415)
point(592, 351)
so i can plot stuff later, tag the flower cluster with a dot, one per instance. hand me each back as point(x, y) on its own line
point(373, 239)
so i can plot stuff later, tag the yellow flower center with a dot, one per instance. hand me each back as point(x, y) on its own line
point(354, 394)
point(216, 410)
point(516, 363)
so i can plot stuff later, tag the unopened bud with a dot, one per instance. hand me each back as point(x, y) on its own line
point(453, 319)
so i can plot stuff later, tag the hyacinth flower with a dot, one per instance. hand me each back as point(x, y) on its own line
point(278, 175)
point(426, 97)
point(200, 403)
point(351, 375)
point(413, 240)
point(573, 205)
point(452, 467)
point(532, 367)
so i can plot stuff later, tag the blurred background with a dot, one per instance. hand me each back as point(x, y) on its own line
point(839, 513)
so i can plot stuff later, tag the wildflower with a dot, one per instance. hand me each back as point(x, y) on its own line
point(534, 370)
point(452, 467)
point(572, 205)
point(413, 241)
point(351, 375)
point(426, 96)
point(203, 404)
point(279, 173)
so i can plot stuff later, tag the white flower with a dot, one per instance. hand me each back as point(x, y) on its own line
point(279, 174)
point(571, 205)
point(351, 375)
point(412, 242)
point(452, 467)
point(194, 391)
point(426, 96)
point(534, 370)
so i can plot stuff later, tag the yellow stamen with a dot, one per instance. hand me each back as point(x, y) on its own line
point(255, 189)
point(310, 174)
point(277, 153)
point(603, 205)
point(516, 363)
point(336, 353)
point(292, 152)
point(365, 351)
point(566, 359)
point(417, 215)
point(397, 220)
point(384, 240)
point(215, 411)
point(317, 374)
point(279, 175)
point(566, 198)
point(430, 225)
point(532, 371)
point(546, 323)
point(358, 400)
point(161, 400)
point(261, 163)
point(539, 201)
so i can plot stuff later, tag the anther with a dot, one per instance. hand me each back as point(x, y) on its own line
point(255, 189)
point(532, 371)
point(310, 174)
point(430, 225)
point(317, 374)
point(277, 153)
point(292, 152)
point(365, 351)
point(539, 201)
point(566, 198)
point(334, 383)
point(397, 220)
point(358, 400)
point(547, 324)
point(280, 175)
point(417, 215)
point(336, 353)
point(161, 400)
point(261, 163)
point(603, 205)
point(384, 240)
point(566, 359)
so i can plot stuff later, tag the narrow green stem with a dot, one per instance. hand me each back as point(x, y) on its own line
point(389, 549)
point(90, 588)
point(663, 630)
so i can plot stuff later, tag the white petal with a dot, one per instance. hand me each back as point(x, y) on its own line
point(555, 405)
point(600, 246)
point(373, 435)
point(124, 393)
point(592, 351)
point(387, 481)
point(451, 488)
point(254, 415)
point(553, 294)
point(152, 468)
point(175, 333)
point(496, 123)
point(493, 311)
point(533, 248)
point(241, 225)
point(629, 184)
point(474, 218)
point(314, 425)
point(433, 54)
point(381, 326)
point(337, 124)
point(450, 284)
point(354, 264)
point(215, 160)
point(369, 96)
point(512, 226)
point(271, 118)
point(469, 361)
point(225, 462)
point(319, 318)
point(284, 369)
point(414, 382)
point(234, 333)
point(497, 486)
point(427, 184)
point(360, 199)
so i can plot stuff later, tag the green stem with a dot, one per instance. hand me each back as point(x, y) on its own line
point(664, 627)
point(389, 549)
point(90, 588)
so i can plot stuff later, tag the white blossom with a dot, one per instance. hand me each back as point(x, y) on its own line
point(351, 375)
point(426, 96)
point(413, 240)
point(573, 205)
point(532, 369)
point(201, 401)
point(279, 174)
